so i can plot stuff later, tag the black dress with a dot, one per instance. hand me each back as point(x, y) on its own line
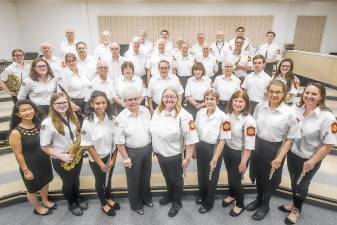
point(36, 159)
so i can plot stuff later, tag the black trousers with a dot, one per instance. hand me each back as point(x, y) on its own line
point(139, 175)
point(252, 106)
point(191, 109)
point(219, 72)
point(103, 192)
point(265, 152)
point(183, 80)
point(223, 105)
point(80, 103)
point(70, 180)
point(232, 159)
point(295, 166)
point(44, 109)
point(173, 174)
point(207, 187)
point(269, 68)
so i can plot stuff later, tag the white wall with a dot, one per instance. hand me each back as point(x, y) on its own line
point(10, 35)
point(40, 21)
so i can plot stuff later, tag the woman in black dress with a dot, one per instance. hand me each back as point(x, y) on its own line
point(35, 166)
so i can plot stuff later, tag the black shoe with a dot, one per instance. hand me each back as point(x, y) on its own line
point(261, 213)
point(284, 209)
point(198, 201)
point(75, 209)
point(149, 204)
point(82, 204)
point(203, 210)
point(115, 206)
point(253, 205)
point(44, 214)
point(174, 210)
point(225, 204)
point(234, 214)
point(53, 207)
point(139, 211)
point(111, 212)
point(165, 200)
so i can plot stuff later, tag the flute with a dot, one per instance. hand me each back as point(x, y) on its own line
point(300, 178)
point(272, 170)
point(107, 172)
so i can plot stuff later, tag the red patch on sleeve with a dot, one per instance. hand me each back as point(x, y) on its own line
point(334, 128)
point(251, 131)
point(226, 126)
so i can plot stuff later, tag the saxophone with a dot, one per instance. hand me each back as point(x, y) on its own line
point(76, 150)
point(13, 83)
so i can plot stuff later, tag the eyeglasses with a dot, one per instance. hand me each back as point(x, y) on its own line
point(239, 42)
point(61, 103)
point(41, 66)
point(275, 92)
point(163, 68)
point(135, 99)
point(102, 67)
point(18, 55)
point(210, 99)
point(284, 66)
point(169, 97)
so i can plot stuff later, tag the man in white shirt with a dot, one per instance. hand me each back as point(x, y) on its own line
point(86, 62)
point(218, 48)
point(69, 45)
point(115, 61)
point(54, 62)
point(146, 47)
point(209, 62)
point(271, 52)
point(164, 34)
point(196, 49)
point(102, 51)
point(177, 50)
point(182, 65)
point(240, 32)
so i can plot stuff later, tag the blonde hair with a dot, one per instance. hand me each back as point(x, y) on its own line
point(177, 107)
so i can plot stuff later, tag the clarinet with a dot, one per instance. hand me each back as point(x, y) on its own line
point(300, 178)
point(272, 170)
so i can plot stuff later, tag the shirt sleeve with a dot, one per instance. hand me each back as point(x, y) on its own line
point(180, 89)
point(46, 132)
point(25, 89)
point(329, 131)
point(293, 125)
point(86, 139)
point(149, 88)
point(188, 128)
point(225, 128)
point(119, 132)
point(6, 72)
point(250, 133)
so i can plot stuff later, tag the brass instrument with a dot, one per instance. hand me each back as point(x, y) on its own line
point(13, 83)
point(76, 150)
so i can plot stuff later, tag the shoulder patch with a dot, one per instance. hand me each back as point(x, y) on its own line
point(334, 128)
point(251, 131)
point(191, 124)
point(226, 126)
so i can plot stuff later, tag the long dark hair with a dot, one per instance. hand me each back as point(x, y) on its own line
point(322, 91)
point(290, 77)
point(34, 75)
point(90, 110)
point(15, 119)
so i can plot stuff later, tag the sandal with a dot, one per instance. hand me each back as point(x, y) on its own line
point(292, 216)
point(285, 208)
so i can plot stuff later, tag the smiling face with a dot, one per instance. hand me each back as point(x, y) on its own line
point(128, 72)
point(312, 96)
point(26, 112)
point(61, 105)
point(18, 57)
point(41, 68)
point(239, 104)
point(285, 67)
point(210, 102)
point(169, 99)
point(275, 94)
point(132, 102)
point(258, 65)
point(99, 104)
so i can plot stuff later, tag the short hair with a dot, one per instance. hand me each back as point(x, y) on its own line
point(239, 94)
point(81, 42)
point(271, 32)
point(212, 92)
point(17, 50)
point(127, 64)
point(198, 66)
point(70, 55)
point(162, 31)
point(128, 92)
point(259, 57)
point(239, 38)
point(240, 28)
point(280, 84)
point(228, 62)
point(164, 61)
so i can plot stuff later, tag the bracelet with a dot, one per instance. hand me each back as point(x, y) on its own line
point(127, 161)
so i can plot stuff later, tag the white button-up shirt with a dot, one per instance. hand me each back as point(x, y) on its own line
point(122, 84)
point(246, 44)
point(197, 88)
point(103, 52)
point(152, 62)
point(226, 86)
point(196, 50)
point(133, 131)
point(183, 65)
point(170, 133)
point(243, 132)
point(97, 84)
point(55, 64)
point(17, 70)
point(218, 49)
point(241, 59)
point(270, 51)
point(138, 61)
point(66, 47)
point(146, 47)
point(256, 85)
point(272, 125)
point(210, 64)
point(74, 84)
point(317, 129)
point(99, 134)
point(210, 128)
point(38, 91)
point(115, 69)
point(158, 84)
point(89, 65)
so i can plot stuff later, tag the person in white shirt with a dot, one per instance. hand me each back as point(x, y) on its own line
point(240, 32)
point(69, 45)
point(178, 49)
point(196, 87)
point(97, 136)
point(209, 61)
point(196, 49)
point(85, 61)
point(102, 51)
point(16, 72)
point(271, 52)
point(164, 34)
point(159, 83)
point(182, 65)
point(213, 128)
point(256, 82)
point(218, 48)
point(133, 141)
point(54, 62)
point(146, 47)
point(241, 59)
point(138, 59)
point(115, 62)
point(170, 124)
point(39, 86)
point(226, 84)
point(238, 149)
point(161, 54)
point(318, 137)
point(277, 127)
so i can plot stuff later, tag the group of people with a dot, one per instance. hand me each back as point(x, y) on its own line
point(174, 107)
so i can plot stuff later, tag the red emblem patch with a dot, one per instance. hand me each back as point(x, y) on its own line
point(226, 126)
point(334, 128)
point(251, 131)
